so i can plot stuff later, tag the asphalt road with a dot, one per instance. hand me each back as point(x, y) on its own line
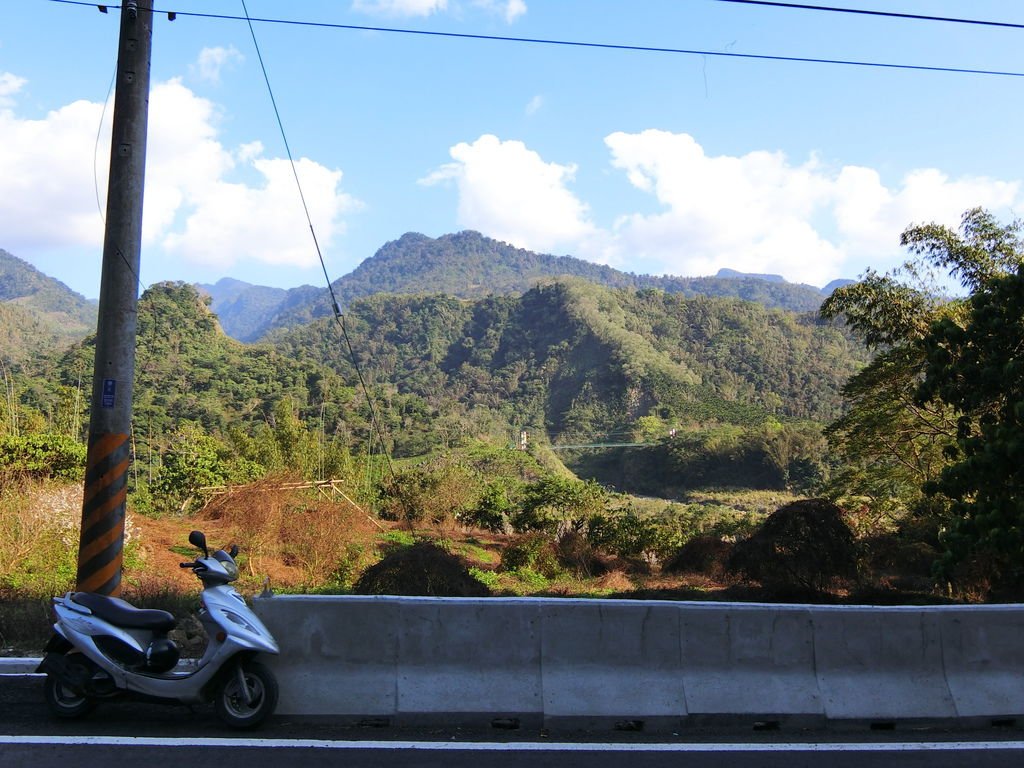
point(131, 733)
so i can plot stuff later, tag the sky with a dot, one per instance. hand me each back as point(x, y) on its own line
point(651, 162)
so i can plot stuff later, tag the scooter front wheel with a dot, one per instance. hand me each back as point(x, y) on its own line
point(247, 707)
point(64, 702)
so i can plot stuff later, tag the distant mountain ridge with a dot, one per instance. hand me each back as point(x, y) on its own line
point(45, 308)
point(468, 265)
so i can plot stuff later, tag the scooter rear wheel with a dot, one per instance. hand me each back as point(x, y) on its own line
point(64, 702)
point(232, 707)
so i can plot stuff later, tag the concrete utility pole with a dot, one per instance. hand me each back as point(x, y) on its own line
point(106, 475)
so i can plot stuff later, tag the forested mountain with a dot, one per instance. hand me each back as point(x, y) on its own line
point(576, 361)
point(25, 334)
point(37, 305)
point(246, 310)
point(187, 369)
point(468, 265)
point(569, 361)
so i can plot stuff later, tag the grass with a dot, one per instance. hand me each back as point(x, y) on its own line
point(309, 546)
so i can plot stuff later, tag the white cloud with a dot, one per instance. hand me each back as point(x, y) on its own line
point(514, 9)
point(535, 104)
point(212, 61)
point(759, 212)
point(9, 85)
point(752, 213)
point(870, 217)
point(508, 192)
point(196, 205)
point(232, 222)
point(762, 213)
point(399, 7)
point(46, 178)
point(509, 9)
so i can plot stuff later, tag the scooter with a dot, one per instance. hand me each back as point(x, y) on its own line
point(104, 647)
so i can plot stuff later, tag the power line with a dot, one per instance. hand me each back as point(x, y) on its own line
point(886, 14)
point(582, 44)
point(338, 316)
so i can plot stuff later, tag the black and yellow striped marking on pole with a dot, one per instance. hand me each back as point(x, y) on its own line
point(102, 541)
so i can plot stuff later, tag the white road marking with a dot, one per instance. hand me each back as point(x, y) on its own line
point(526, 746)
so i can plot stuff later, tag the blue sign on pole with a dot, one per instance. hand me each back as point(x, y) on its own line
point(109, 393)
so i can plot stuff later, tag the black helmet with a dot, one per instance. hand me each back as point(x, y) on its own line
point(161, 655)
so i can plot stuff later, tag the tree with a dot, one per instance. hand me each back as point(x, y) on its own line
point(558, 504)
point(192, 462)
point(891, 443)
point(976, 367)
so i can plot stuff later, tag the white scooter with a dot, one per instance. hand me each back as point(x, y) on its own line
point(105, 647)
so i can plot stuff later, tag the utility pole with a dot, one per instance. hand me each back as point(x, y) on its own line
point(106, 475)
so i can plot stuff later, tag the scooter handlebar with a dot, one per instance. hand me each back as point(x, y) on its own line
point(188, 565)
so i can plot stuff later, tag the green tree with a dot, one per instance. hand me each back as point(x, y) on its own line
point(976, 366)
point(559, 504)
point(891, 443)
point(194, 461)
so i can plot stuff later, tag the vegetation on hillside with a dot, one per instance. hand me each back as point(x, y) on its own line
point(901, 405)
point(468, 265)
point(62, 311)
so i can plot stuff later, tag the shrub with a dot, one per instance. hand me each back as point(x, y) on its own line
point(492, 511)
point(558, 504)
point(576, 553)
point(422, 569)
point(534, 551)
point(706, 555)
point(804, 544)
point(43, 456)
point(431, 495)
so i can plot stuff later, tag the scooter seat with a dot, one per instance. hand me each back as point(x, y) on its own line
point(124, 614)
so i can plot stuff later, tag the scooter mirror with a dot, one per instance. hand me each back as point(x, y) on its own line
point(233, 551)
point(198, 539)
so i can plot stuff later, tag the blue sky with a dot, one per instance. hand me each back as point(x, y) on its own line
point(650, 162)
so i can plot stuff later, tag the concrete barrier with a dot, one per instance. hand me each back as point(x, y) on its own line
point(339, 656)
point(983, 658)
point(605, 662)
point(755, 661)
point(468, 660)
point(596, 662)
point(880, 663)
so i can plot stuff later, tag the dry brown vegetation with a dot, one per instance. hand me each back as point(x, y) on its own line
point(302, 541)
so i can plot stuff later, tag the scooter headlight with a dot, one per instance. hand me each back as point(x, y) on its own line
point(231, 569)
point(227, 563)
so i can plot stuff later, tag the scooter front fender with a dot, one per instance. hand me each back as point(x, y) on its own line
point(229, 611)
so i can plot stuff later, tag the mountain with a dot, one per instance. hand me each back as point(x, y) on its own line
point(58, 309)
point(25, 335)
point(38, 314)
point(568, 360)
point(580, 361)
point(828, 289)
point(188, 370)
point(468, 265)
point(732, 273)
point(246, 311)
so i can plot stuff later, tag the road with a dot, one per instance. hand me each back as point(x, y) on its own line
point(172, 736)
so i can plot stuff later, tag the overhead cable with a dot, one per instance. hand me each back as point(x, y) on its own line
point(584, 44)
point(338, 316)
point(885, 14)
